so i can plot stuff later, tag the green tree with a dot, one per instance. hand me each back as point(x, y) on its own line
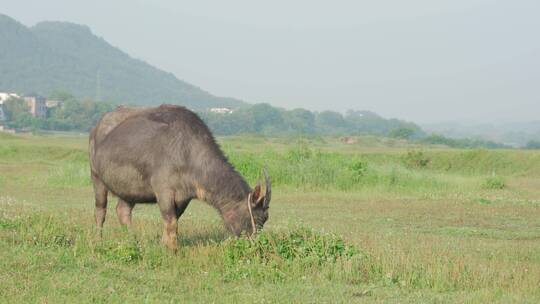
point(330, 122)
point(300, 121)
point(403, 133)
point(14, 108)
point(266, 117)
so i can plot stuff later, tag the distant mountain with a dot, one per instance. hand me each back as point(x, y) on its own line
point(60, 56)
point(516, 134)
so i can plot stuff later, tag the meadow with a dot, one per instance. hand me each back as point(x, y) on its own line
point(377, 221)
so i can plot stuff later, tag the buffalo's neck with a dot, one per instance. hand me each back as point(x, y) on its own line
point(223, 187)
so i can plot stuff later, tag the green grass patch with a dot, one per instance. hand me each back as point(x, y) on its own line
point(71, 174)
point(7, 136)
point(406, 226)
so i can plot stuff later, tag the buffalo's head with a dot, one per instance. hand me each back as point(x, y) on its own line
point(252, 213)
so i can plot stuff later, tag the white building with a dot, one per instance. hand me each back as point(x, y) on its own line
point(221, 110)
point(49, 103)
point(5, 96)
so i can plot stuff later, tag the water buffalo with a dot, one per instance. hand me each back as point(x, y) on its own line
point(169, 156)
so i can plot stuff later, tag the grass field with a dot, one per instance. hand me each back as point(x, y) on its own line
point(379, 221)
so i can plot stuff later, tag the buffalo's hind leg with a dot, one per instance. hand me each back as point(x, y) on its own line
point(100, 192)
point(123, 210)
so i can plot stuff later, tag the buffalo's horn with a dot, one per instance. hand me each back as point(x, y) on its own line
point(257, 195)
point(268, 194)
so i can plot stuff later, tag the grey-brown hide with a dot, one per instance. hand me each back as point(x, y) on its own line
point(169, 156)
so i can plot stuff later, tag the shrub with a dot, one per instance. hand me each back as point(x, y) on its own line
point(359, 169)
point(416, 159)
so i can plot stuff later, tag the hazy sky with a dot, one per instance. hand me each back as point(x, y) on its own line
point(421, 60)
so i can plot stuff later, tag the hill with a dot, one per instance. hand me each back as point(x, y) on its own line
point(61, 56)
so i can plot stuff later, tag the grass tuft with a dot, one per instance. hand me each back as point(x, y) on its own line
point(275, 255)
point(124, 251)
point(494, 183)
point(299, 245)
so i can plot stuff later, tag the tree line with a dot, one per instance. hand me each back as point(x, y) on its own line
point(266, 119)
point(81, 115)
point(73, 114)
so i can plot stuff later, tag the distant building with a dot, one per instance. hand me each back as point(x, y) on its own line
point(221, 110)
point(52, 103)
point(37, 105)
point(5, 96)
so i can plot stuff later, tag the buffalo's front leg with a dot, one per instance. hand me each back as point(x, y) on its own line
point(167, 207)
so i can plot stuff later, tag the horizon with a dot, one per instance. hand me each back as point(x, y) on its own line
point(490, 76)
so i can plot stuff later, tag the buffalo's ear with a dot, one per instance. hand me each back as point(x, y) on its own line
point(257, 196)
